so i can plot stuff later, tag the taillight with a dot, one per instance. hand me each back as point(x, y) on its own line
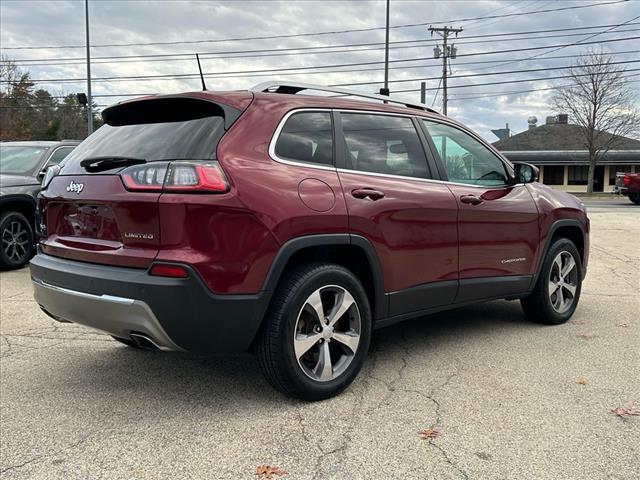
point(168, 270)
point(178, 176)
point(626, 180)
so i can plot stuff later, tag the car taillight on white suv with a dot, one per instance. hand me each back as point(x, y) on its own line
point(177, 176)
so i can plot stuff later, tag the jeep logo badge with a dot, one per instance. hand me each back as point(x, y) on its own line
point(75, 187)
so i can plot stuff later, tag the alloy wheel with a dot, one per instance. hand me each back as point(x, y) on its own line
point(15, 241)
point(327, 333)
point(563, 282)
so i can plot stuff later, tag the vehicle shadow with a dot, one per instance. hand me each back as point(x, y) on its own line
point(236, 380)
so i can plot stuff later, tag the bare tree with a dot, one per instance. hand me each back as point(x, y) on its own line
point(600, 101)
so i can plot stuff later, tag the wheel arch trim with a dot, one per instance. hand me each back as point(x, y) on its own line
point(297, 244)
point(555, 226)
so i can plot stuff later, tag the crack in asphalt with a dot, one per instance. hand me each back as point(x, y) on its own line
point(43, 456)
point(42, 335)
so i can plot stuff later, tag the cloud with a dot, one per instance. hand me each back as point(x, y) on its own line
point(137, 22)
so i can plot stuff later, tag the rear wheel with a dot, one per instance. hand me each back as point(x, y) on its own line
point(635, 198)
point(316, 333)
point(556, 294)
point(16, 240)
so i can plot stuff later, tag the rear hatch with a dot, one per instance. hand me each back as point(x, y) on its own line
point(103, 205)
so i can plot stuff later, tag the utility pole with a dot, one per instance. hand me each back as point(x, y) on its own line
point(385, 90)
point(89, 100)
point(448, 51)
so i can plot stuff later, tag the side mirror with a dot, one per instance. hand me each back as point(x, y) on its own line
point(526, 173)
point(42, 173)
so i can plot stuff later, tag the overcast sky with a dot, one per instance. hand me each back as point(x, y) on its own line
point(61, 23)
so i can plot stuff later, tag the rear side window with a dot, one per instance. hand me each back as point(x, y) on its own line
point(306, 137)
point(182, 129)
point(383, 144)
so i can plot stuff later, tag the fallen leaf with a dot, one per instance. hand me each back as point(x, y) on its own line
point(267, 471)
point(626, 411)
point(428, 433)
point(586, 336)
point(582, 381)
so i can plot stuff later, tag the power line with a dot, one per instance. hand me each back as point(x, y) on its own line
point(324, 72)
point(583, 41)
point(222, 74)
point(333, 32)
point(305, 70)
point(461, 55)
point(517, 81)
point(213, 75)
point(504, 72)
point(472, 96)
point(204, 55)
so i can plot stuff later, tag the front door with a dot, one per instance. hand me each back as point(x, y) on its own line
point(498, 221)
point(410, 219)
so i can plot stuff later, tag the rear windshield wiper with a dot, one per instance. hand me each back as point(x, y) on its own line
point(100, 164)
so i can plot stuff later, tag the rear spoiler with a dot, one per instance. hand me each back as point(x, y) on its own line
point(167, 109)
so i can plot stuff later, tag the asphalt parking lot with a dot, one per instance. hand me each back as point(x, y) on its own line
point(510, 399)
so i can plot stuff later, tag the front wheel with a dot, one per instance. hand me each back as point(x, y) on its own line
point(316, 333)
point(557, 291)
point(635, 198)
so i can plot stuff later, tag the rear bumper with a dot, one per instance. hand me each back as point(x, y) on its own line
point(175, 314)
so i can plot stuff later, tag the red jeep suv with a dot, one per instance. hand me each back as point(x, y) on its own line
point(293, 225)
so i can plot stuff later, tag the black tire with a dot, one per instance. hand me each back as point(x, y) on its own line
point(16, 240)
point(635, 198)
point(275, 346)
point(539, 306)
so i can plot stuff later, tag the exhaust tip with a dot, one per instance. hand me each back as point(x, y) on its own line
point(144, 341)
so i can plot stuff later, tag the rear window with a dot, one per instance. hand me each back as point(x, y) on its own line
point(159, 129)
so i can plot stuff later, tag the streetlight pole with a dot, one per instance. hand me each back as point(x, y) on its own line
point(89, 101)
point(386, 55)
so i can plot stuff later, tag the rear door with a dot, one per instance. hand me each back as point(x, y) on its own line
point(498, 221)
point(410, 220)
point(90, 215)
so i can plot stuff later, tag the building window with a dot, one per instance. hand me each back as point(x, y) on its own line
point(613, 169)
point(578, 174)
point(553, 175)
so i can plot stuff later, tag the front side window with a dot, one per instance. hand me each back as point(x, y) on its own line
point(465, 159)
point(383, 144)
point(306, 137)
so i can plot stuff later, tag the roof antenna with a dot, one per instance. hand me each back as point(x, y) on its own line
point(204, 87)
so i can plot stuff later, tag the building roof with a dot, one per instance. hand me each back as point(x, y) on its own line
point(573, 157)
point(558, 136)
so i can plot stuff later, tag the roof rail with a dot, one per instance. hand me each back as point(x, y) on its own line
point(295, 87)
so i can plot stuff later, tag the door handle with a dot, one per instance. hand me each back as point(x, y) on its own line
point(367, 193)
point(471, 199)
